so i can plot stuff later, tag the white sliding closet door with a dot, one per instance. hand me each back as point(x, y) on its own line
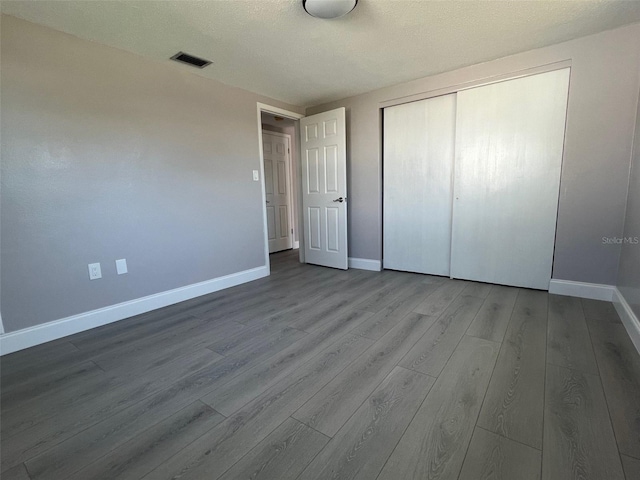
point(419, 141)
point(509, 143)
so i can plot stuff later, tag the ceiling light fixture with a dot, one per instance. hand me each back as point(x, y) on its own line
point(328, 8)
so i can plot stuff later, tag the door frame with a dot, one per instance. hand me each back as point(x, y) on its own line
point(289, 180)
point(263, 107)
point(450, 89)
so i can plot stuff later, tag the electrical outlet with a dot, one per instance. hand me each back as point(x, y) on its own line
point(121, 266)
point(256, 176)
point(94, 271)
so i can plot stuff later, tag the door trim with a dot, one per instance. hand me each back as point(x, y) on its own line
point(458, 87)
point(263, 107)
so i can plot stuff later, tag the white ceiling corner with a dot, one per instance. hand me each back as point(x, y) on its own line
point(274, 48)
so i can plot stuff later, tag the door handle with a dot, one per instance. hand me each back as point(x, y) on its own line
point(340, 199)
point(268, 201)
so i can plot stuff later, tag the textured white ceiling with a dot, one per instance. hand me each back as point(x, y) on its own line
point(274, 48)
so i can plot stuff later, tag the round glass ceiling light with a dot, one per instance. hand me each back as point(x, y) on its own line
point(328, 8)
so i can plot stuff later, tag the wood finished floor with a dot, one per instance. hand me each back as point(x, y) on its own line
point(315, 373)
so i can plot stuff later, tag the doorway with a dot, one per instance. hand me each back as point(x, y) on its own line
point(318, 216)
point(279, 149)
point(276, 154)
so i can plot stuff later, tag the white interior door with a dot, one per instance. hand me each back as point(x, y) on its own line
point(419, 141)
point(277, 165)
point(324, 188)
point(509, 143)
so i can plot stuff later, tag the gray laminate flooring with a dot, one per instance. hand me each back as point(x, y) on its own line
point(315, 373)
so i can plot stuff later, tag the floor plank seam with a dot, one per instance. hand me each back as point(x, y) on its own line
point(404, 431)
point(98, 366)
point(604, 391)
point(152, 425)
point(212, 350)
point(24, 464)
point(482, 338)
point(356, 409)
point(459, 340)
point(475, 423)
point(117, 411)
point(433, 325)
point(186, 447)
point(509, 438)
point(74, 345)
point(544, 389)
point(398, 322)
point(416, 371)
point(329, 437)
point(317, 453)
point(112, 414)
point(302, 365)
point(574, 369)
point(266, 360)
point(222, 474)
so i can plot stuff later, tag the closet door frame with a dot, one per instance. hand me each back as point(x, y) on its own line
point(453, 89)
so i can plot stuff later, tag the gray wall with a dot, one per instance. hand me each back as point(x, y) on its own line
point(600, 124)
point(106, 155)
point(629, 274)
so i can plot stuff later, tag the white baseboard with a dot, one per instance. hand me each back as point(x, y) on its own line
point(365, 264)
point(28, 337)
point(608, 293)
point(594, 291)
point(629, 319)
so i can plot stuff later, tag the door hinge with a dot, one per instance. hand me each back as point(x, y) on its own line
point(292, 230)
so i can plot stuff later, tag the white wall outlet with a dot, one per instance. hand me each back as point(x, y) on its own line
point(94, 271)
point(256, 176)
point(121, 266)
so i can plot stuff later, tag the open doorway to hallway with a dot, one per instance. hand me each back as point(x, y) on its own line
point(281, 178)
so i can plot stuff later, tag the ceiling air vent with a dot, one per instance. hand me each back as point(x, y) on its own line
point(190, 60)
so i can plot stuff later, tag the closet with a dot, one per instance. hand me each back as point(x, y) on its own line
point(471, 181)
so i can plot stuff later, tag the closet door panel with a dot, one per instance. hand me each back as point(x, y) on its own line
point(419, 140)
point(509, 144)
